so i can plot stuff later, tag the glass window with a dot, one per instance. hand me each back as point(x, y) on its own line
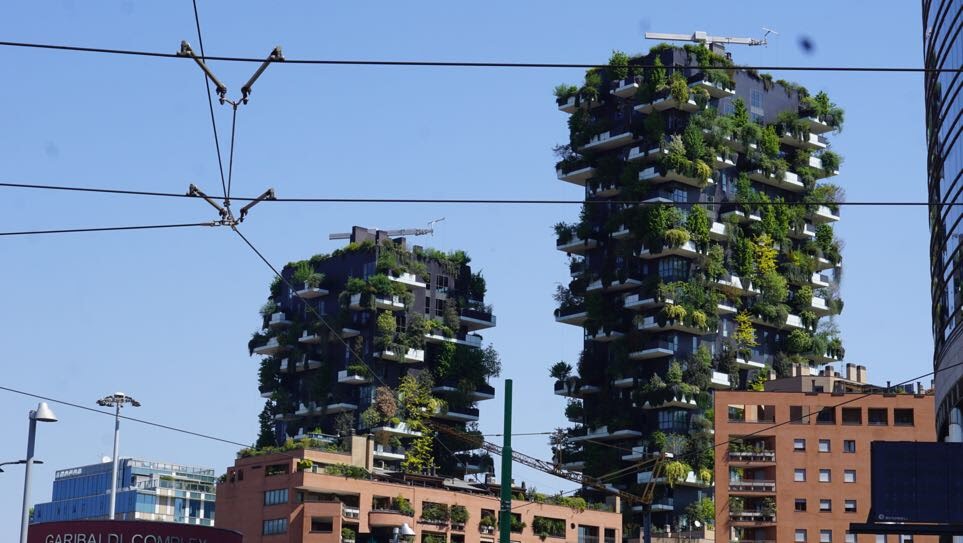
point(825, 505)
point(796, 415)
point(824, 446)
point(674, 268)
point(849, 506)
point(274, 497)
point(849, 476)
point(852, 415)
point(825, 475)
point(800, 504)
point(322, 524)
point(275, 526)
point(877, 416)
point(825, 536)
point(800, 536)
point(799, 475)
point(827, 415)
point(903, 417)
point(850, 538)
point(799, 444)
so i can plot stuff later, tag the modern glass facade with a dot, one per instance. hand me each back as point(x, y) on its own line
point(145, 491)
point(943, 48)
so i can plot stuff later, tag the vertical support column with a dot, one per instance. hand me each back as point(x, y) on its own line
point(113, 478)
point(25, 520)
point(505, 519)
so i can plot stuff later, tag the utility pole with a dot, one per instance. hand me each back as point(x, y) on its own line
point(505, 520)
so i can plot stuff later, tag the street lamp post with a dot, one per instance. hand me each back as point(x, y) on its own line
point(42, 414)
point(116, 400)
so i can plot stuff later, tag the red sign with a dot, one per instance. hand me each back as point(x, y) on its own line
point(127, 531)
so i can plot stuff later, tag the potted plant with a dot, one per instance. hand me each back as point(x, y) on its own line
point(487, 524)
point(736, 505)
point(347, 535)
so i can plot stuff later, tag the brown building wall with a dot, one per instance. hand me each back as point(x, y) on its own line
point(240, 506)
point(781, 468)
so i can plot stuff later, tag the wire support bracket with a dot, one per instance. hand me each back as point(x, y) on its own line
point(224, 211)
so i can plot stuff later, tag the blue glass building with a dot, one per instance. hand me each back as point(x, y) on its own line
point(145, 491)
point(943, 48)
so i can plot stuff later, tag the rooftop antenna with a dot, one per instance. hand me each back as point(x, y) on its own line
point(704, 38)
point(430, 230)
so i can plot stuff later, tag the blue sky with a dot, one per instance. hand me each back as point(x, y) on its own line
point(165, 315)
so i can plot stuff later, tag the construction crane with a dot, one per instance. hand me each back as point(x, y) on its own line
point(656, 464)
point(702, 37)
point(430, 230)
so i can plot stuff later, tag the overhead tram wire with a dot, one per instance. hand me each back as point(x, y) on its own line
point(210, 105)
point(464, 64)
point(107, 229)
point(485, 201)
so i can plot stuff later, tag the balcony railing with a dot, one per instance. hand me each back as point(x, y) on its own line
point(755, 485)
point(752, 456)
point(753, 515)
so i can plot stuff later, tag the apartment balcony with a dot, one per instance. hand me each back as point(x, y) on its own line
point(271, 348)
point(639, 453)
point(471, 340)
point(723, 161)
point(816, 125)
point(602, 433)
point(576, 177)
point(736, 286)
point(603, 335)
point(647, 155)
point(398, 430)
point(309, 292)
point(825, 358)
point(605, 190)
point(653, 175)
point(626, 88)
point(633, 302)
point(625, 382)
point(483, 391)
point(309, 338)
point(278, 320)
point(742, 217)
point(354, 303)
point(476, 316)
point(573, 389)
point(752, 487)
point(750, 518)
point(573, 103)
point(820, 280)
point(752, 457)
point(266, 391)
point(349, 333)
point(391, 303)
point(571, 315)
point(819, 306)
point(411, 356)
point(822, 263)
point(675, 403)
point(409, 279)
point(651, 324)
point(340, 407)
point(670, 102)
point(816, 163)
point(750, 364)
point(720, 381)
point(309, 364)
point(811, 142)
point(622, 233)
point(607, 140)
point(686, 250)
point(346, 377)
point(285, 366)
point(725, 309)
point(613, 286)
point(575, 465)
point(804, 232)
point(718, 231)
point(305, 409)
point(457, 414)
point(823, 215)
point(576, 245)
point(715, 90)
point(659, 505)
point(788, 181)
point(389, 453)
point(792, 322)
point(653, 349)
point(387, 519)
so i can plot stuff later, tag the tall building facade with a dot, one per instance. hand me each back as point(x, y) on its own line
point(943, 48)
point(339, 497)
point(797, 468)
point(146, 490)
point(396, 344)
point(704, 257)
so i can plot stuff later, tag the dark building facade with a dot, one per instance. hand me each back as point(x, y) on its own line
point(395, 348)
point(943, 48)
point(704, 257)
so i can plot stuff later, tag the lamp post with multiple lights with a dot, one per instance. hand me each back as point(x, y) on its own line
point(115, 400)
point(42, 414)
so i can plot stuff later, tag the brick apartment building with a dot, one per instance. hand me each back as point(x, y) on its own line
point(811, 474)
point(309, 495)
